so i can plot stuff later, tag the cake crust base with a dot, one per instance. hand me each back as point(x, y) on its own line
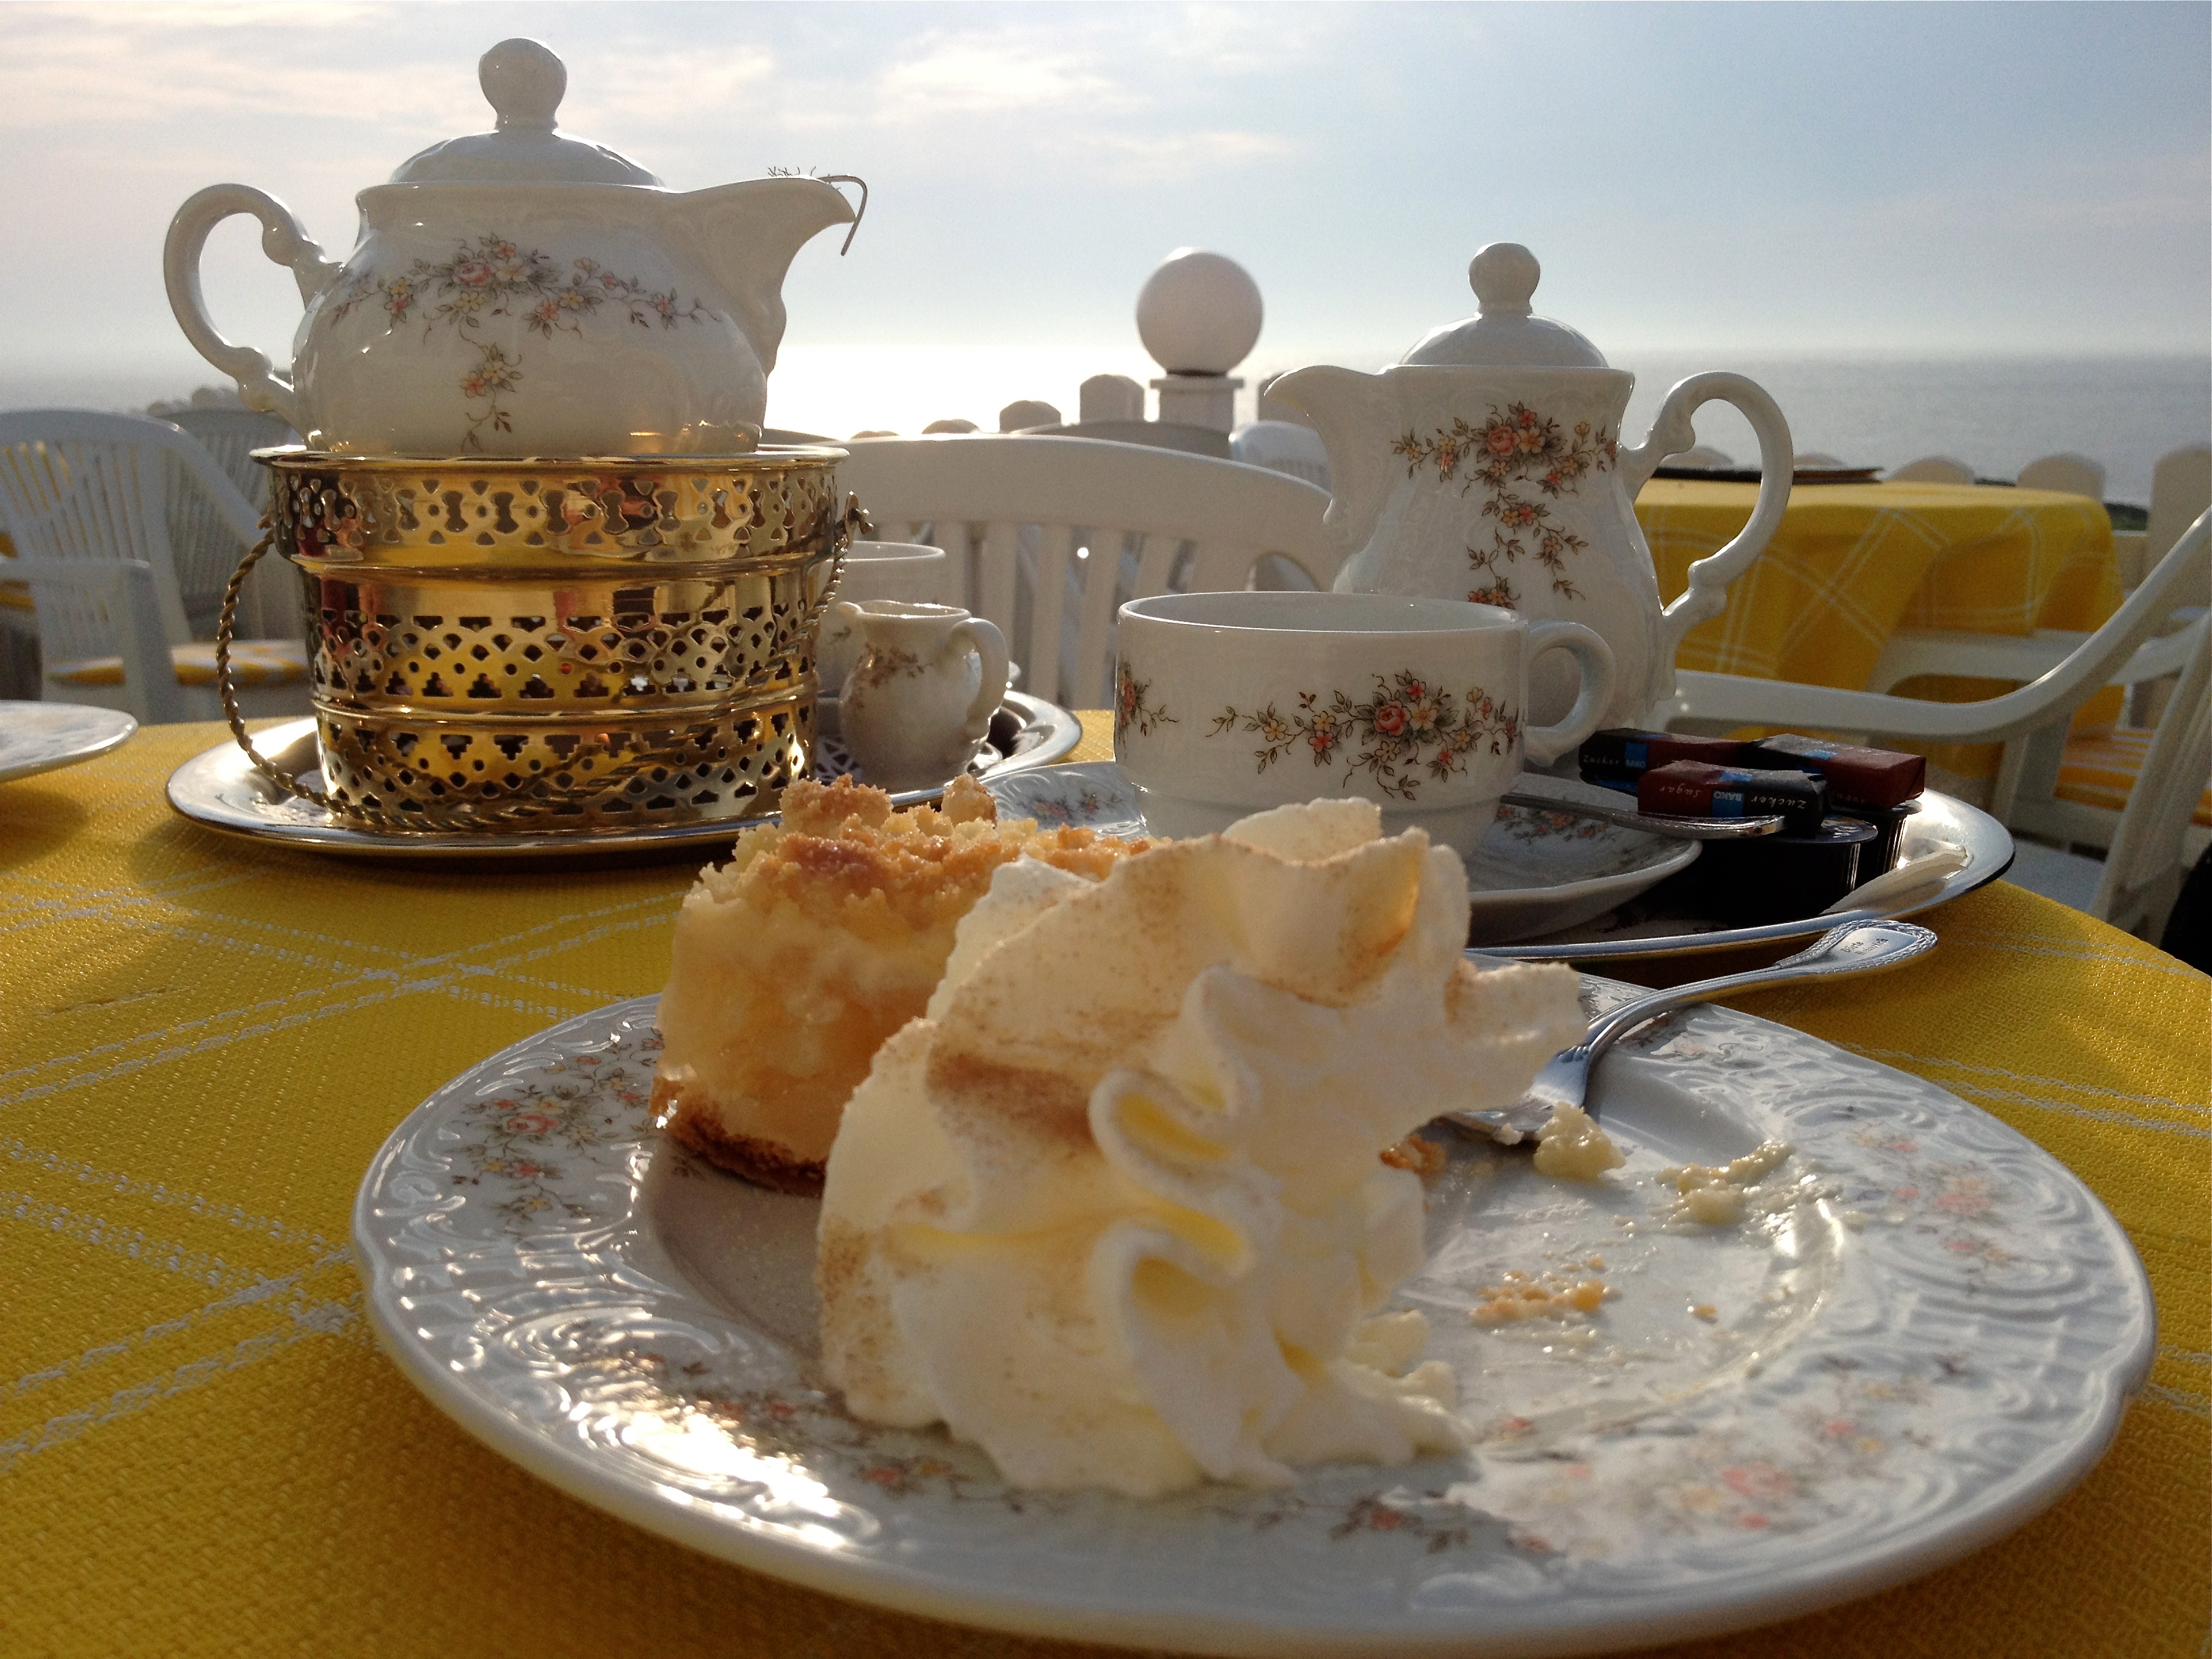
point(697, 1126)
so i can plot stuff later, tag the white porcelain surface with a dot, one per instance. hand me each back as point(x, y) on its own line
point(1932, 1336)
point(921, 692)
point(218, 788)
point(1488, 465)
point(1227, 704)
point(878, 570)
point(1532, 873)
point(38, 737)
point(522, 293)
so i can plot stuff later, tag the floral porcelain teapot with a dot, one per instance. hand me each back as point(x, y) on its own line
point(1487, 465)
point(521, 292)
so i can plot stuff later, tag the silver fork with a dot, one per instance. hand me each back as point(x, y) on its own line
point(1858, 947)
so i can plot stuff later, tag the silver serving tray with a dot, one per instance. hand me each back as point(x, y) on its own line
point(221, 789)
point(1637, 930)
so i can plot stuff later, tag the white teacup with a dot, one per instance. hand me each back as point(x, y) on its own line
point(877, 570)
point(1227, 704)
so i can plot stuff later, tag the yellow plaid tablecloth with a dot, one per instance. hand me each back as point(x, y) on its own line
point(1852, 563)
point(203, 1041)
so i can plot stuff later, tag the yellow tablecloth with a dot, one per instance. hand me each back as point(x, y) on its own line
point(1852, 563)
point(204, 1041)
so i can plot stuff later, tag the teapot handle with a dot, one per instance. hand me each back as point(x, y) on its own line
point(1707, 594)
point(284, 241)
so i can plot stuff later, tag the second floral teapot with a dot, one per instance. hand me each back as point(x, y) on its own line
point(521, 292)
point(1487, 465)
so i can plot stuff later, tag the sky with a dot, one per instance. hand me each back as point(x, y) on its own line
point(1924, 180)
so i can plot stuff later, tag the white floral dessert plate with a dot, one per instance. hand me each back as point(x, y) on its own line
point(1534, 872)
point(219, 787)
point(1926, 1331)
point(38, 737)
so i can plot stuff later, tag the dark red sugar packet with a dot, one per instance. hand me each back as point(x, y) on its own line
point(1693, 789)
point(1856, 776)
point(1623, 755)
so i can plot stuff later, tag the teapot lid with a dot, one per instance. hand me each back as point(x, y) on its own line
point(524, 81)
point(1503, 334)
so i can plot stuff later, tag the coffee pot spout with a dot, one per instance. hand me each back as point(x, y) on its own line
point(746, 235)
point(1354, 413)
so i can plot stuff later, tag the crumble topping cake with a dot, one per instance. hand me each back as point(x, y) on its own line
point(821, 937)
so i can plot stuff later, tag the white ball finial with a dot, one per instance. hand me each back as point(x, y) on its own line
point(1504, 277)
point(524, 82)
point(1198, 313)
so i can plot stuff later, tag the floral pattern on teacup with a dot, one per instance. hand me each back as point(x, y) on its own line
point(1407, 728)
point(1133, 705)
point(1517, 445)
point(497, 278)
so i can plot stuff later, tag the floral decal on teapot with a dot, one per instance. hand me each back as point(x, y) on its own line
point(497, 278)
point(1515, 445)
point(1408, 727)
point(1133, 705)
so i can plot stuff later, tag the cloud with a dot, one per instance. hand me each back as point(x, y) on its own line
point(70, 69)
point(1156, 157)
point(986, 74)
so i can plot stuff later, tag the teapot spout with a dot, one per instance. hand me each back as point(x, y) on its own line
point(1351, 411)
point(747, 234)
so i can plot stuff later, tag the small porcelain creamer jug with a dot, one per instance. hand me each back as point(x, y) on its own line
point(921, 696)
point(1487, 465)
point(521, 292)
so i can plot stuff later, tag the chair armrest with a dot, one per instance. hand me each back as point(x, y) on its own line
point(149, 679)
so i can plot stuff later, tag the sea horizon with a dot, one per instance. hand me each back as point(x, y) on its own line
point(1995, 412)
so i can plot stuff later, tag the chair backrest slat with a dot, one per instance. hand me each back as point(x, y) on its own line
point(1086, 681)
point(1135, 508)
point(1056, 568)
point(2147, 856)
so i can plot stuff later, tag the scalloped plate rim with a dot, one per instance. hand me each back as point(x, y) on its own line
point(1667, 1615)
point(74, 753)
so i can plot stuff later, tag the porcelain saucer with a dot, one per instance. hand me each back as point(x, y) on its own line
point(1534, 872)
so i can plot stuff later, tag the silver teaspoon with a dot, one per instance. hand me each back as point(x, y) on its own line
point(1858, 947)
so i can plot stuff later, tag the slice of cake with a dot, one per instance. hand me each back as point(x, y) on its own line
point(821, 937)
point(1117, 1208)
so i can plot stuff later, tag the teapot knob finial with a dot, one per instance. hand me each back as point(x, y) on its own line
point(1504, 277)
point(524, 82)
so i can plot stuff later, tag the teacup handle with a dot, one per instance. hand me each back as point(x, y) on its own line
point(1546, 744)
point(991, 646)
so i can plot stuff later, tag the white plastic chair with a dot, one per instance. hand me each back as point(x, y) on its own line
point(1932, 469)
point(2126, 650)
point(78, 487)
point(1105, 522)
point(2067, 473)
point(201, 534)
point(123, 592)
point(1282, 447)
point(2155, 840)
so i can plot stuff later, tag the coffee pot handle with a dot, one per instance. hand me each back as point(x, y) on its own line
point(1546, 744)
point(1672, 432)
point(991, 646)
point(284, 241)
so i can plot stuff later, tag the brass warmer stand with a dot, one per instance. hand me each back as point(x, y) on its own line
point(555, 644)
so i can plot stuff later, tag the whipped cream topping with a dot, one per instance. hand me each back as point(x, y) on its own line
point(1115, 1207)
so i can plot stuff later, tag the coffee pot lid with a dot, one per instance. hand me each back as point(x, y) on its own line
point(1503, 333)
point(524, 82)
